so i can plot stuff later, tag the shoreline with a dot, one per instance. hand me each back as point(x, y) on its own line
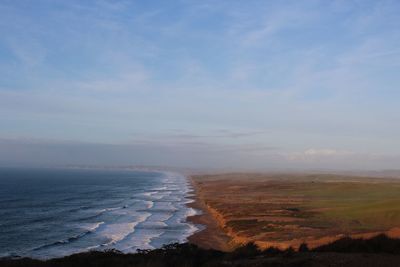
point(212, 236)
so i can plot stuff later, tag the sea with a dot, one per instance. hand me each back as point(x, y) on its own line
point(48, 213)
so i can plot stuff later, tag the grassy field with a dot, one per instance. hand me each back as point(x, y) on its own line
point(354, 205)
point(290, 209)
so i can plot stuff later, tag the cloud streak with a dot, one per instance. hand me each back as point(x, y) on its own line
point(277, 78)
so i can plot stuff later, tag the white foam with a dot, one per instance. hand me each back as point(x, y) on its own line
point(190, 231)
point(92, 227)
point(116, 232)
point(149, 194)
point(165, 218)
point(191, 212)
point(141, 240)
point(160, 188)
point(188, 200)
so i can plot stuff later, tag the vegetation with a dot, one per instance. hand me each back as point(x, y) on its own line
point(288, 209)
point(188, 255)
point(378, 244)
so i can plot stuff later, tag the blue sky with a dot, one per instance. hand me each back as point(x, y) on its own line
point(230, 84)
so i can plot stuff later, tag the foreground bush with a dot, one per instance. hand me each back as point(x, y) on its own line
point(188, 255)
point(378, 244)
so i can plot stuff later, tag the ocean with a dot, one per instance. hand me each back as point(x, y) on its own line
point(47, 213)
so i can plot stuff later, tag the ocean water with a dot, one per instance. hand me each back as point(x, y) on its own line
point(46, 213)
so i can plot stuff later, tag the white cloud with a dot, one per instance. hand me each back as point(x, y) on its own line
point(326, 152)
point(317, 154)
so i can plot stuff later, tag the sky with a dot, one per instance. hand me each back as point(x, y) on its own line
point(201, 84)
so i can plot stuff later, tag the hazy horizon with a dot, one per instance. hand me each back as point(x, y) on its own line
point(218, 85)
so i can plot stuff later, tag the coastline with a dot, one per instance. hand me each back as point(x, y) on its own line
point(100, 223)
point(211, 233)
point(223, 190)
point(212, 236)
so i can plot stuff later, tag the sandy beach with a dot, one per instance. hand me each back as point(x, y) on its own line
point(212, 236)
